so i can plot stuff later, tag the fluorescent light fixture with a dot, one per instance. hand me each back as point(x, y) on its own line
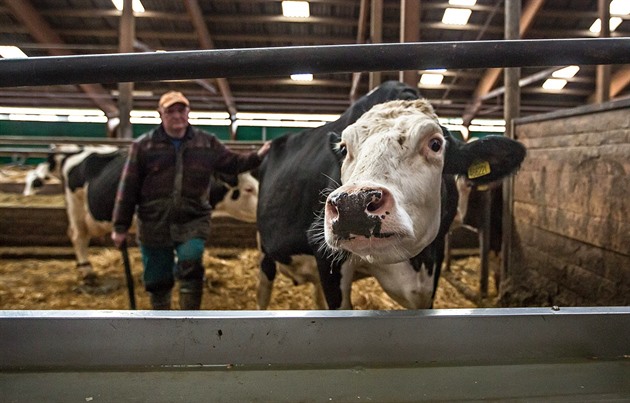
point(619, 7)
point(492, 129)
point(567, 72)
point(613, 24)
point(431, 79)
point(462, 3)
point(302, 77)
point(87, 119)
point(51, 111)
point(456, 16)
point(136, 5)
point(554, 84)
point(451, 121)
point(135, 93)
point(208, 115)
point(12, 52)
point(286, 116)
point(278, 123)
point(488, 122)
point(299, 9)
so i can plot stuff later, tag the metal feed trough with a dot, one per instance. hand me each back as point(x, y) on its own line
point(531, 354)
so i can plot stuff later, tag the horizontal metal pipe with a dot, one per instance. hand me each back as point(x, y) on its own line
point(281, 61)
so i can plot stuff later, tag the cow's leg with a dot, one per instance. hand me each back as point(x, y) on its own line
point(318, 294)
point(410, 288)
point(266, 276)
point(347, 275)
point(79, 234)
point(330, 277)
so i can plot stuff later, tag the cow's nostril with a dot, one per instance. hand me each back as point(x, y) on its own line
point(375, 201)
point(331, 208)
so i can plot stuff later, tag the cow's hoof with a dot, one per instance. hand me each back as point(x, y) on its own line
point(90, 279)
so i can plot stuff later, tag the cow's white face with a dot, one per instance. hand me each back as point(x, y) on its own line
point(241, 201)
point(388, 207)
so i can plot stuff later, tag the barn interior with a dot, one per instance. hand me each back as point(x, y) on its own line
point(543, 321)
point(47, 28)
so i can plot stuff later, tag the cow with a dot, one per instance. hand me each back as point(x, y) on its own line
point(471, 211)
point(90, 177)
point(371, 194)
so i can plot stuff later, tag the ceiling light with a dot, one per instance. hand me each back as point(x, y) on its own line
point(567, 72)
point(298, 9)
point(136, 5)
point(554, 84)
point(135, 93)
point(302, 77)
point(464, 3)
point(456, 16)
point(11, 52)
point(597, 25)
point(619, 7)
point(431, 79)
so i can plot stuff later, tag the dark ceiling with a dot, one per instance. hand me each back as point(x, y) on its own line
point(64, 27)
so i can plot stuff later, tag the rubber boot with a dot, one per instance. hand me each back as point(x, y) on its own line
point(160, 301)
point(190, 292)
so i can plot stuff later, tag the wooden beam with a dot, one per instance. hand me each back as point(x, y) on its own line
point(39, 29)
point(376, 36)
point(619, 81)
point(356, 77)
point(196, 16)
point(491, 76)
point(409, 32)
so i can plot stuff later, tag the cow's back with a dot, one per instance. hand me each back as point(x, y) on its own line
point(293, 179)
point(102, 188)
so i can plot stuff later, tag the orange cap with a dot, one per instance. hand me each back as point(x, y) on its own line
point(172, 98)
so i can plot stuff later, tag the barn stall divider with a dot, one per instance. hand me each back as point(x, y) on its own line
point(463, 354)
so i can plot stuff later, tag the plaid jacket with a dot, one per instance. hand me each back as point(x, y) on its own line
point(168, 188)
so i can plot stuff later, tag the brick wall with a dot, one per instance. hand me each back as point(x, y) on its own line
point(571, 243)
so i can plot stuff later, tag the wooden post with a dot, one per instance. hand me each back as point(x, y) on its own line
point(484, 243)
point(125, 90)
point(511, 112)
point(603, 70)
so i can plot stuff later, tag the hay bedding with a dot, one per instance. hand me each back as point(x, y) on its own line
point(231, 273)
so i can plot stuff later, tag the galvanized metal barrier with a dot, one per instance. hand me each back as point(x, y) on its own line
point(460, 354)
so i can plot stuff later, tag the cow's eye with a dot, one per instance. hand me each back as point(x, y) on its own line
point(342, 149)
point(435, 145)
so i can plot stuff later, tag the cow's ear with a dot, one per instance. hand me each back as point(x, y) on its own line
point(486, 160)
point(333, 141)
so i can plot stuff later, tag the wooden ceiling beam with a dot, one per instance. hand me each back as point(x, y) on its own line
point(39, 29)
point(361, 33)
point(196, 15)
point(491, 76)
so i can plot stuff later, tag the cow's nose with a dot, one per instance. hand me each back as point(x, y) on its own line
point(357, 211)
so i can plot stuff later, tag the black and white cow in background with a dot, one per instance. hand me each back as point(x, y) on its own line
point(90, 177)
point(371, 194)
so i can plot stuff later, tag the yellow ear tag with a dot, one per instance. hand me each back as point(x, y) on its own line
point(478, 169)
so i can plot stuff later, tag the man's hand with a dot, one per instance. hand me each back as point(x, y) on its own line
point(119, 238)
point(264, 149)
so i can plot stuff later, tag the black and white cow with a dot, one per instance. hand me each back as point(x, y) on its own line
point(90, 177)
point(371, 194)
